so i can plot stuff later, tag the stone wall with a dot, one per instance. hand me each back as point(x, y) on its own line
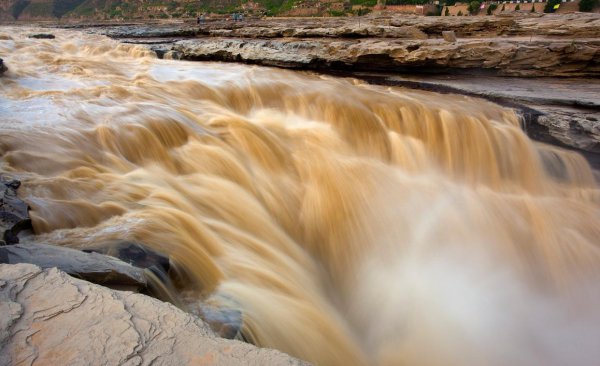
point(408, 9)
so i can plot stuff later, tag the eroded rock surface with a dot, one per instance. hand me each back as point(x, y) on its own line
point(93, 267)
point(53, 319)
point(581, 25)
point(542, 57)
point(530, 46)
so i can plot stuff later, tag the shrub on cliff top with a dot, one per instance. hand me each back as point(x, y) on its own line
point(474, 7)
point(588, 5)
point(549, 8)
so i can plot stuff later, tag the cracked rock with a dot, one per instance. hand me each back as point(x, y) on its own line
point(53, 319)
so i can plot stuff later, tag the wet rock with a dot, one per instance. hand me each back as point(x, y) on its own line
point(94, 267)
point(577, 128)
point(14, 216)
point(134, 253)
point(223, 316)
point(52, 319)
point(42, 36)
point(449, 36)
point(3, 67)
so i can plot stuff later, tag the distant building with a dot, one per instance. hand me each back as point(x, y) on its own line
point(422, 9)
point(567, 6)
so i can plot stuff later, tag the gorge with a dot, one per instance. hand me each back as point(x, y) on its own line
point(350, 223)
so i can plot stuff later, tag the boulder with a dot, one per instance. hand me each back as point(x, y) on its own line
point(134, 253)
point(42, 36)
point(449, 36)
point(223, 315)
point(94, 267)
point(14, 213)
point(52, 319)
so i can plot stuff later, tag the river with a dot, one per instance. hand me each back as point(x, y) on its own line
point(352, 224)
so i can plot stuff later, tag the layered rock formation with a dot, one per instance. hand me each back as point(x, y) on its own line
point(549, 45)
point(51, 318)
point(503, 57)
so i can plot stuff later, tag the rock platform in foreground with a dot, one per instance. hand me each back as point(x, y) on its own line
point(54, 319)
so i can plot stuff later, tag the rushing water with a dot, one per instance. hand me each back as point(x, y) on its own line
point(353, 224)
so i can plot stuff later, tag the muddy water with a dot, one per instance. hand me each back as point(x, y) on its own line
point(352, 224)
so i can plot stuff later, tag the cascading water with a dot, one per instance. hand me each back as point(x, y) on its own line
point(353, 224)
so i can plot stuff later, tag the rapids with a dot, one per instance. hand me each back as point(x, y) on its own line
point(352, 224)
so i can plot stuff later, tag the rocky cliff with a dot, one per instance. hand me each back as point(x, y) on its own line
point(549, 45)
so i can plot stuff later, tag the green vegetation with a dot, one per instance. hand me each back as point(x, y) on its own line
point(17, 8)
point(447, 12)
point(61, 7)
point(588, 5)
point(362, 11)
point(459, 13)
point(549, 8)
point(336, 13)
point(84, 11)
point(503, 7)
point(518, 7)
point(39, 9)
point(406, 2)
point(532, 9)
point(364, 2)
point(171, 6)
point(274, 6)
point(491, 8)
point(474, 7)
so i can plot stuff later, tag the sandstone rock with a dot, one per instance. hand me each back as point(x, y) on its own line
point(573, 127)
point(581, 25)
point(93, 267)
point(498, 56)
point(14, 216)
point(53, 319)
point(449, 36)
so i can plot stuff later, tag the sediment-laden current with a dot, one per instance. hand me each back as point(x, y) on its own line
point(352, 224)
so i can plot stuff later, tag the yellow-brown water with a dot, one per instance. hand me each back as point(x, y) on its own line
point(353, 224)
